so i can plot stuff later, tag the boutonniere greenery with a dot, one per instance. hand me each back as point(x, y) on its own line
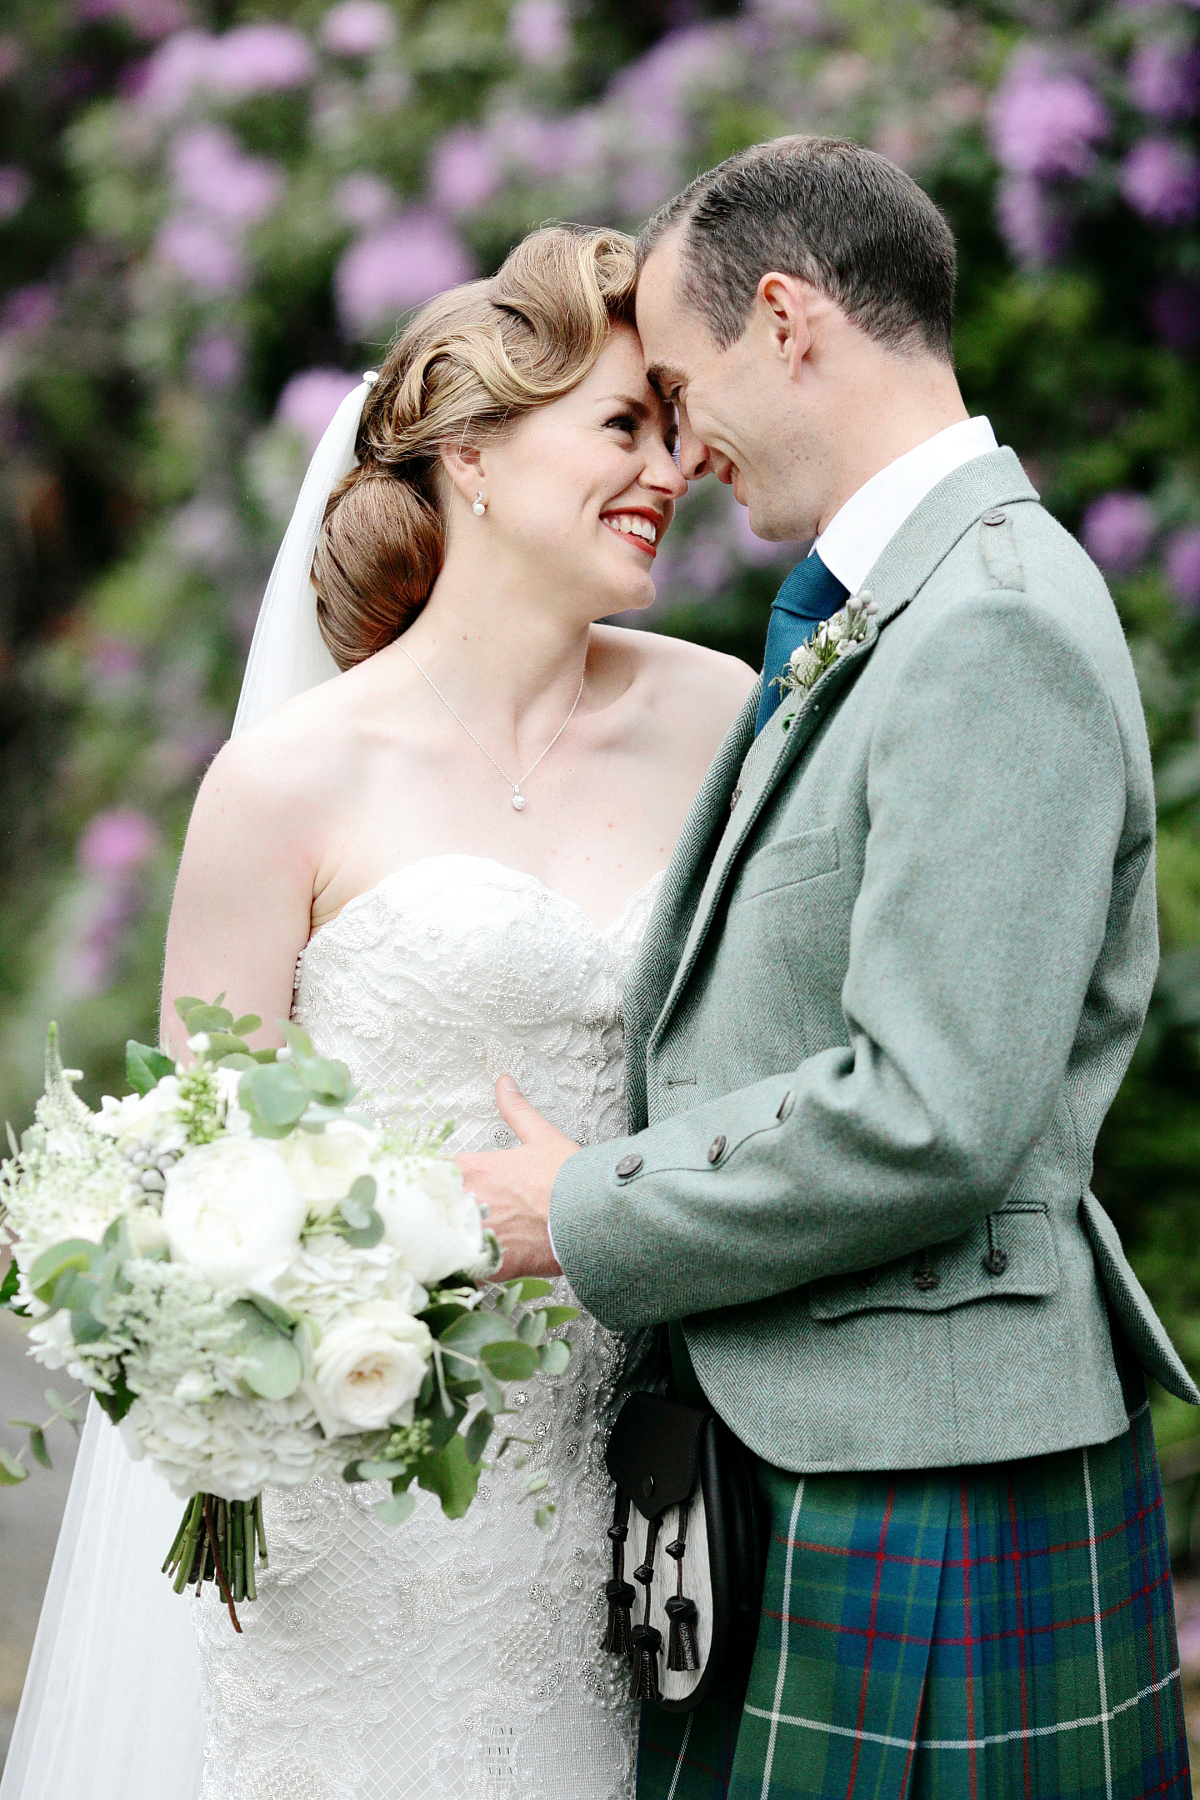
point(834, 638)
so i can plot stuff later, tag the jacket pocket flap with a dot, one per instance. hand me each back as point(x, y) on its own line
point(654, 1451)
point(1010, 1254)
point(788, 860)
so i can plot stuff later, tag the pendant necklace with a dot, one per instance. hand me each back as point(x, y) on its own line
point(518, 798)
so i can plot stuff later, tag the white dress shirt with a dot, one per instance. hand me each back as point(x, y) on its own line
point(856, 536)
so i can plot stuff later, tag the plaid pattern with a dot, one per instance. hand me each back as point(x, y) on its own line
point(1004, 1632)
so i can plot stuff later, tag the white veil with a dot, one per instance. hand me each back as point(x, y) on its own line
point(111, 1706)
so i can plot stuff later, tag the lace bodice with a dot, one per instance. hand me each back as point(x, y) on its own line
point(438, 1660)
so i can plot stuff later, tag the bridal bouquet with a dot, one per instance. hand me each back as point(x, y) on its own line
point(259, 1285)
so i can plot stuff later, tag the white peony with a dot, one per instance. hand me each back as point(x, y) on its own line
point(232, 1209)
point(429, 1217)
point(151, 1118)
point(326, 1164)
point(329, 1277)
point(368, 1370)
point(147, 1233)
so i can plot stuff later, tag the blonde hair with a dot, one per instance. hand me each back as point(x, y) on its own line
point(469, 364)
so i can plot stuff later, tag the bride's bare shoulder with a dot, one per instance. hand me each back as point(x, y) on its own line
point(289, 760)
point(685, 680)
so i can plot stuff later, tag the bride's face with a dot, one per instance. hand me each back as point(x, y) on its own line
point(583, 489)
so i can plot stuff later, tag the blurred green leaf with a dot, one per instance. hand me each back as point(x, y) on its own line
point(451, 1475)
point(511, 1361)
point(145, 1066)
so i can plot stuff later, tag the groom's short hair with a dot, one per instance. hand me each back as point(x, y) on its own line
point(833, 214)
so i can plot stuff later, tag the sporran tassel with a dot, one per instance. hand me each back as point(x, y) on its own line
point(620, 1595)
point(647, 1639)
point(683, 1650)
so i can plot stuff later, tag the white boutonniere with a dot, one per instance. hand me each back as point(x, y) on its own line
point(834, 638)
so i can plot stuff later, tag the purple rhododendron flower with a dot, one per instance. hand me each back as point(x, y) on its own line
point(169, 77)
point(358, 28)
point(114, 661)
point(15, 185)
point(540, 32)
point(1164, 79)
point(213, 174)
point(1045, 123)
point(1175, 312)
point(216, 359)
point(117, 841)
point(204, 533)
point(1161, 181)
point(807, 17)
point(150, 19)
point(200, 251)
point(1032, 223)
point(310, 399)
point(363, 200)
point(657, 87)
point(29, 308)
point(259, 59)
point(1117, 530)
point(464, 171)
point(396, 268)
point(1183, 566)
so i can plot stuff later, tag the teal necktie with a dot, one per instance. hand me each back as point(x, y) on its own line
point(810, 593)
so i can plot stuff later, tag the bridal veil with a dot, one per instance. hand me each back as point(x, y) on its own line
point(111, 1705)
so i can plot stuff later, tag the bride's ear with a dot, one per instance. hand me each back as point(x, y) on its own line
point(463, 467)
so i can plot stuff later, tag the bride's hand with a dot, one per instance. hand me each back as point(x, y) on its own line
point(515, 1185)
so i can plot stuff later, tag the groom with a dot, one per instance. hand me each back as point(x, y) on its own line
point(900, 963)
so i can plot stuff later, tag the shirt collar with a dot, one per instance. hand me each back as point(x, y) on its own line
point(854, 539)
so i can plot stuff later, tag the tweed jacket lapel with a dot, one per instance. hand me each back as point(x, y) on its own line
point(906, 564)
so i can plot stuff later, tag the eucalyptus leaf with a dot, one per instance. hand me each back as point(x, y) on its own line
point(274, 1095)
point(227, 1043)
point(9, 1286)
point(246, 1024)
point(297, 1041)
point(273, 1368)
point(381, 1471)
point(363, 1190)
point(439, 1317)
point(186, 1004)
point(451, 1475)
point(275, 1315)
point(62, 1408)
point(558, 1315)
point(37, 1445)
point(60, 1259)
point(365, 1237)
point(555, 1356)
point(118, 1403)
point(442, 1426)
point(478, 1433)
point(237, 1060)
point(530, 1287)
point(470, 1333)
point(493, 1393)
point(208, 1018)
point(399, 1508)
point(145, 1066)
point(511, 1360)
point(355, 1214)
point(11, 1471)
point(532, 1328)
point(85, 1327)
point(327, 1079)
point(544, 1514)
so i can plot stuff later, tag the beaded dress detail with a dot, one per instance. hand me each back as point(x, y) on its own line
point(441, 1660)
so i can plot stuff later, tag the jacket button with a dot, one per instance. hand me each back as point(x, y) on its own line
point(629, 1165)
point(995, 1262)
point(993, 518)
point(926, 1277)
point(716, 1149)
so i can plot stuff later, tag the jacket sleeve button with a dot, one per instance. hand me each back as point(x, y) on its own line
point(995, 1262)
point(629, 1165)
point(926, 1277)
point(716, 1149)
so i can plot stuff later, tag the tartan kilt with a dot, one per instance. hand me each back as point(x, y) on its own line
point(1002, 1632)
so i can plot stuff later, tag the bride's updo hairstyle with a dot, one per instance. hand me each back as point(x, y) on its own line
point(468, 365)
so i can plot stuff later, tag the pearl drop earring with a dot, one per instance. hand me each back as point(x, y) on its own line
point(480, 506)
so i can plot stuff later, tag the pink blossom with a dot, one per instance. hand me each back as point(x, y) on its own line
point(150, 19)
point(173, 72)
point(310, 399)
point(203, 533)
point(642, 186)
point(358, 28)
point(1045, 123)
point(1032, 223)
point(199, 251)
point(117, 841)
point(657, 88)
point(396, 268)
point(808, 18)
point(1175, 313)
point(259, 59)
point(15, 186)
point(363, 200)
point(216, 359)
point(1164, 79)
point(464, 171)
point(540, 32)
point(1183, 566)
point(1161, 181)
point(114, 661)
point(213, 174)
point(1117, 530)
point(30, 308)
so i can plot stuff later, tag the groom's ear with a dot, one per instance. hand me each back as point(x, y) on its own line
point(463, 466)
point(784, 307)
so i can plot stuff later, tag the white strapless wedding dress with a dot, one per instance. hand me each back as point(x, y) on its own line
point(444, 1660)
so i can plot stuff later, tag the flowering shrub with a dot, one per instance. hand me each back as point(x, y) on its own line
point(255, 204)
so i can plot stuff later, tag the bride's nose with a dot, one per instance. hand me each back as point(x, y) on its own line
point(662, 474)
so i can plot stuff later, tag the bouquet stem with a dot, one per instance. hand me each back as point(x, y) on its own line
point(219, 1540)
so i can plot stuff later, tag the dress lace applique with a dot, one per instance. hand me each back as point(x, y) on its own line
point(443, 1660)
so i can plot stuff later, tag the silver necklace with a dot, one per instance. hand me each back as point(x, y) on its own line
point(518, 798)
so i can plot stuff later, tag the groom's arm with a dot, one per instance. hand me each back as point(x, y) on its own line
point(997, 792)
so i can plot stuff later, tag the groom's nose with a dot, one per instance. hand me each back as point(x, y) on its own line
point(695, 458)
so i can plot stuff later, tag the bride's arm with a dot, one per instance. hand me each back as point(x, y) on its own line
point(243, 898)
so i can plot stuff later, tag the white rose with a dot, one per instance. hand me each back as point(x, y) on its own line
point(368, 1370)
point(232, 1210)
point(146, 1231)
point(143, 1118)
point(325, 1164)
point(428, 1217)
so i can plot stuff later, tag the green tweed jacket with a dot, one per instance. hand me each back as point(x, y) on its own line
point(895, 975)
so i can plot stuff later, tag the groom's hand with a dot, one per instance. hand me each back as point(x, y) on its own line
point(515, 1185)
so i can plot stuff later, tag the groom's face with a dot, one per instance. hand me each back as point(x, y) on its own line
point(728, 401)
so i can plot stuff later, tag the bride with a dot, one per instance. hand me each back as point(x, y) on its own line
point(440, 861)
